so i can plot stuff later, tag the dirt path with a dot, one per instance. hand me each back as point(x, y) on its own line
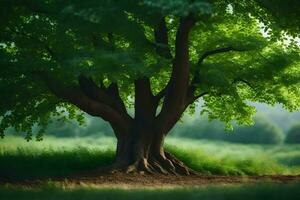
point(155, 181)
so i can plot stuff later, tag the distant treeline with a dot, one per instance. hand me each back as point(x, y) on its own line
point(264, 131)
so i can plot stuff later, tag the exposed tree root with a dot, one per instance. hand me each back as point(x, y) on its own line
point(166, 165)
point(180, 165)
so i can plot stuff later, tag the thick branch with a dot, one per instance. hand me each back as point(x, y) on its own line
point(96, 93)
point(113, 91)
point(162, 93)
point(243, 81)
point(75, 95)
point(145, 102)
point(88, 97)
point(191, 98)
point(196, 78)
point(177, 90)
point(217, 51)
point(161, 38)
point(109, 96)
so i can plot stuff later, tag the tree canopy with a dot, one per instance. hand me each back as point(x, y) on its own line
point(239, 51)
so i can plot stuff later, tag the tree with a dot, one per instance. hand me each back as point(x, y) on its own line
point(293, 135)
point(262, 132)
point(159, 57)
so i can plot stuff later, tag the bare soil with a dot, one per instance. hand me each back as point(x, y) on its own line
point(122, 180)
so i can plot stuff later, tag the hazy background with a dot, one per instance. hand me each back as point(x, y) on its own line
point(267, 148)
point(273, 125)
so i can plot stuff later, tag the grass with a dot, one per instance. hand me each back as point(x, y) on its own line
point(223, 158)
point(55, 157)
point(232, 192)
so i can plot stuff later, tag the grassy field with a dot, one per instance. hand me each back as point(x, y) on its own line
point(55, 157)
point(232, 192)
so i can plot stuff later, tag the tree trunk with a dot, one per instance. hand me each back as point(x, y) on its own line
point(142, 151)
point(140, 139)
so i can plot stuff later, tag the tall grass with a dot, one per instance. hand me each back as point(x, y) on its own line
point(222, 158)
point(53, 157)
point(62, 157)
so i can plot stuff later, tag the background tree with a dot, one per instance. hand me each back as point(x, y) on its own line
point(263, 131)
point(293, 135)
point(156, 56)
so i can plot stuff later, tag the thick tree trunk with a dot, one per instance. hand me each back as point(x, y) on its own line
point(140, 139)
point(142, 151)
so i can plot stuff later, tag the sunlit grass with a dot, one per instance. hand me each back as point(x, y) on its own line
point(58, 157)
point(222, 158)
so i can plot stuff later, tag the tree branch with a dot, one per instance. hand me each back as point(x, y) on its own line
point(196, 78)
point(109, 96)
point(243, 81)
point(113, 91)
point(177, 90)
point(90, 98)
point(217, 51)
point(162, 93)
point(161, 39)
point(75, 95)
point(193, 98)
point(145, 102)
point(89, 87)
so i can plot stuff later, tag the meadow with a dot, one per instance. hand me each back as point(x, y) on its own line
point(60, 157)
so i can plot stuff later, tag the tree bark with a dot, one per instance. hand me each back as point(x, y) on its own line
point(140, 146)
point(142, 151)
point(176, 94)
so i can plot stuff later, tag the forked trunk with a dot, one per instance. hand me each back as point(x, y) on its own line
point(140, 139)
point(143, 152)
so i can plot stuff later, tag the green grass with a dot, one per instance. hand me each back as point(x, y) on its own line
point(53, 157)
point(230, 192)
point(57, 157)
point(222, 158)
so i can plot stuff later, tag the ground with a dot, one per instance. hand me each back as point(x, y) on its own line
point(158, 187)
point(121, 180)
point(59, 168)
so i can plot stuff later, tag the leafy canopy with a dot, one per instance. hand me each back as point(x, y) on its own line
point(113, 41)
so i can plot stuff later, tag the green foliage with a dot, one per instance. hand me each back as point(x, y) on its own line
point(281, 14)
point(113, 41)
point(180, 7)
point(293, 135)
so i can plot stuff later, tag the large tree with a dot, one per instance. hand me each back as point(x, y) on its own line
point(156, 56)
